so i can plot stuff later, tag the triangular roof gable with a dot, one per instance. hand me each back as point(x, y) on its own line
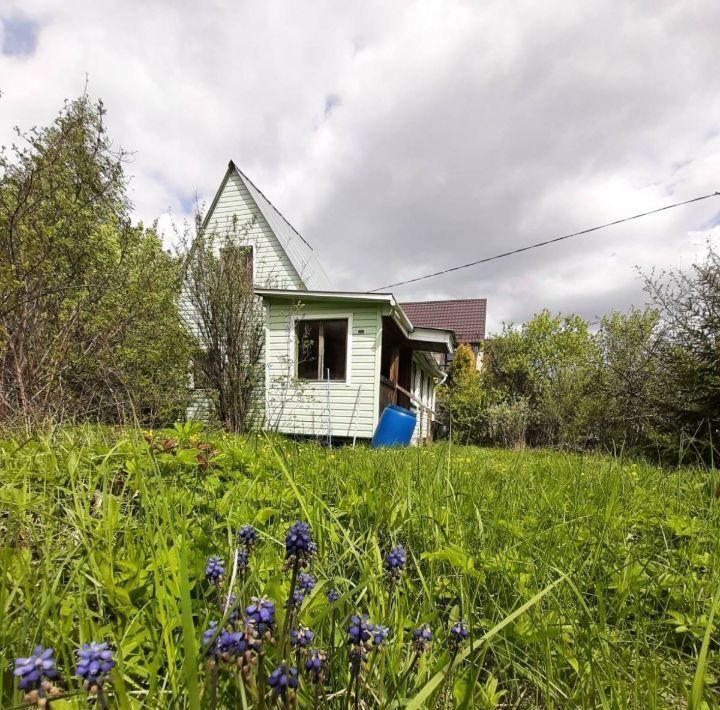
point(299, 252)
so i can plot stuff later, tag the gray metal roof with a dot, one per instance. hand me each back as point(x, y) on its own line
point(299, 252)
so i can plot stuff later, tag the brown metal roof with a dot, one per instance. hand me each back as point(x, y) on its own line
point(465, 316)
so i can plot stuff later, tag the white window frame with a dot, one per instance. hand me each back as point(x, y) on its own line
point(329, 315)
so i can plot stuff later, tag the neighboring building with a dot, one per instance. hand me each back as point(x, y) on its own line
point(333, 360)
point(465, 317)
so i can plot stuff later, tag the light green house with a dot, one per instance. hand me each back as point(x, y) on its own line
point(333, 360)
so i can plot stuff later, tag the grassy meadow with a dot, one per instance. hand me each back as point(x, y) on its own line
point(584, 581)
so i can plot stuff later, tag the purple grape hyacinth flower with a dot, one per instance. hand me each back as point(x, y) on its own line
point(243, 558)
point(32, 670)
point(333, 595)
point(95, 661)
point(306, 582)
point(458, 633)
point(299, 545)
point(214, 570)
point(315, 666)
point(358, 630)
point(379, 635)
point(234, 643)
point(359, 634)
point(261, 615)
point(235, 613)
point(301, 638)
point(395, 562)
point(298, 597)
point(247, 536)
point(282, 680)
point(207, 638)
point(422, 638)
point(303, 586)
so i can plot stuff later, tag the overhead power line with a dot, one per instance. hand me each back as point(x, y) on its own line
point(495, 257)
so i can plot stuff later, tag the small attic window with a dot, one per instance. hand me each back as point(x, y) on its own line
point(238, 260)
point(321, 349)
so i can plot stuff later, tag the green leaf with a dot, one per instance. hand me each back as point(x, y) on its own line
point(188, 631)
point(418, 701)
point(695, 702)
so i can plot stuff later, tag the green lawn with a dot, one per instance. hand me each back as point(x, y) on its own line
point(585, 581)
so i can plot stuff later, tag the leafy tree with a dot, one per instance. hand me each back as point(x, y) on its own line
point(88, 322)
point(225, 321)
point(547, 365)
point(688, 303)
point(631, 380)
point(461, 395)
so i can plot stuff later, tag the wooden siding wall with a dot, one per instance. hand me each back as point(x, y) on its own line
point(300, 407)
point(272, 267)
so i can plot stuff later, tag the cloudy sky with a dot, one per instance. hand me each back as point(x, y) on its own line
point(405, 137)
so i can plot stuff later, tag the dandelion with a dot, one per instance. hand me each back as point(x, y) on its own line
point(299, 545)
point(395, 563)
point(32, 670)
point(301, 638)
point(214, 570)
point(422, 639)
point(95, 661)
point(261, 616)
point(283, 681)
point(247, 536)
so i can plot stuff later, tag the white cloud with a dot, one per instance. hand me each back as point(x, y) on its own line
point(457, 129)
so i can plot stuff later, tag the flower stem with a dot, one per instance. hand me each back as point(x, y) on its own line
point(261, 682)
point(213, 685)
point(405, 675)
point(101, 699)
point(316, 695)
point(441, 689)
point(288, 610)
point(331, 651)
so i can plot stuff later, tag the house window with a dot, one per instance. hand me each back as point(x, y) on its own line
point(237, 259)
point(321, 349)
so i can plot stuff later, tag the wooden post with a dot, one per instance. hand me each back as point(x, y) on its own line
point(394, 370)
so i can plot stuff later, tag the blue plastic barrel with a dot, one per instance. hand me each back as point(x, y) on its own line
point(395, 428)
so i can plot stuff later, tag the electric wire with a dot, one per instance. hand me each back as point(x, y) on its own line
point(537, 245)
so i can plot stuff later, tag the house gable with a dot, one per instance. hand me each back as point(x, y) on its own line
point(233, 209)
point(283, 259)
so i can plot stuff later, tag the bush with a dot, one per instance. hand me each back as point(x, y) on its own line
point(461, 397)
point(89, 326)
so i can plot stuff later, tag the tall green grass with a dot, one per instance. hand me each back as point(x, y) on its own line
point(585, 581)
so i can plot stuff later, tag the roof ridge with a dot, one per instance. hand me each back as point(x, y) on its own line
point(287, 221)
point(448, 300)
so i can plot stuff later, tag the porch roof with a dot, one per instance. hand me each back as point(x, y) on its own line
point(295, 295)
point(438, 340)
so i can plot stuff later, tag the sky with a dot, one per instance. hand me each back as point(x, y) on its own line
point(401, 138)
